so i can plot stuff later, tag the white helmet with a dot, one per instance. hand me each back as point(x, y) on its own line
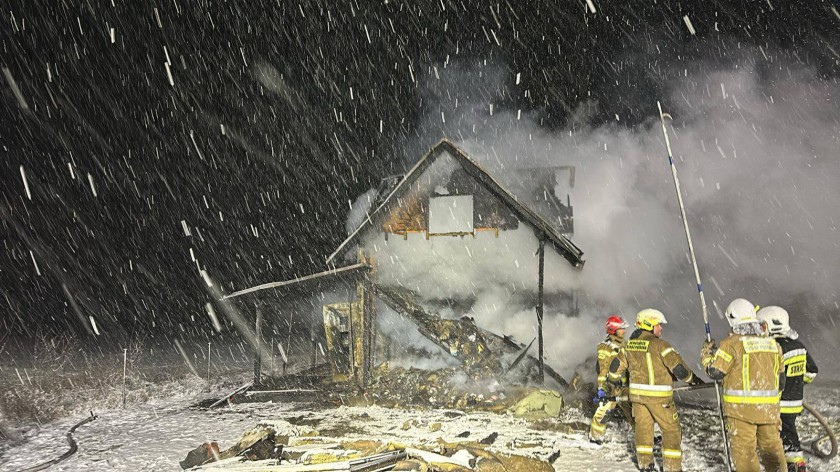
point(648, 318)
point(740, 311)
point(776, 318)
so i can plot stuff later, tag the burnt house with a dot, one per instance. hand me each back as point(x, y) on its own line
point(446, 212)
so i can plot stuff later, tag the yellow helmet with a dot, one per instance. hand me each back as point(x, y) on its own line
point(648, 318)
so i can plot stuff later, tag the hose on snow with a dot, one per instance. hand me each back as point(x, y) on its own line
point(829, 434)
point(70, 441)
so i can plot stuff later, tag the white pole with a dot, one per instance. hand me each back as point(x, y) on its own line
point(208, 366)
point(283, 355)
point(125, 370)
point(696, 272)
point(685, 221)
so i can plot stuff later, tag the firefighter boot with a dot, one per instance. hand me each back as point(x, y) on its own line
point(598, 427)
point(796, 467)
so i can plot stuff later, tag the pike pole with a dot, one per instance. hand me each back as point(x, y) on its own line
point(662, 117)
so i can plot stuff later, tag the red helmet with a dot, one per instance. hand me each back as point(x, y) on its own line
point(614, 323)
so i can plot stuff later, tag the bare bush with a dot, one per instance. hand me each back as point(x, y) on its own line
point(65, 379)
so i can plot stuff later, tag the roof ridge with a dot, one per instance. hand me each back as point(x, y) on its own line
point(566, 247)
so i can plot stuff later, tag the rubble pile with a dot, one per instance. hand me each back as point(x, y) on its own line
point(399, 387)
point(305, 442)
point(465, 342)
point(257, 444)
point(414, 388)
point(480, 352)
point(410, 396)
point(279, 451)
point(444, 388)
point(286, 451)
point(461, 338)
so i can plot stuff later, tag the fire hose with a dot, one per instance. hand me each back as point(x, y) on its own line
point(829, 435)
point(70, 441)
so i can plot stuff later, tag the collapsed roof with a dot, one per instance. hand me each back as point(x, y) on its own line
point(474, 347)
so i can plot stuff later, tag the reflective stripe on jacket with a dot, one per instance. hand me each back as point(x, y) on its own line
point(652, 364)
point(607, 350)
point(800, 368)
point(751, 366)
point(791, 407)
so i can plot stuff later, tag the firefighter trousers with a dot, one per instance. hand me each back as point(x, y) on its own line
point(665, 415)
point(598, 428)
point(790, 439)
point(745, 437)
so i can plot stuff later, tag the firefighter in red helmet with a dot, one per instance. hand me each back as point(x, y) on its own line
point(609, 395)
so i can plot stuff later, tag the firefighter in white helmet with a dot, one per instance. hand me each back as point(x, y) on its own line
point(800, 369)
point(751, 369)
point(653, 365)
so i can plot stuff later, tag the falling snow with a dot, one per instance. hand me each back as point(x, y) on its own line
point(158, 157)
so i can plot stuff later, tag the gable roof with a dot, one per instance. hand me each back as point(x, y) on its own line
point(561, 243)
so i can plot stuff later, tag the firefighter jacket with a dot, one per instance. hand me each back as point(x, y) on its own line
point(751, 368)
point(653, 364)
point(800, 369)
point(607, 350)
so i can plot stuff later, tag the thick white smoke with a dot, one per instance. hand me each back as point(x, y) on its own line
point(359, 210)
point(758, 161)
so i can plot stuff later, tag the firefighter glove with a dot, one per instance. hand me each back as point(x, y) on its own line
point(600, 397)
point(695, 380)
point(708, 352)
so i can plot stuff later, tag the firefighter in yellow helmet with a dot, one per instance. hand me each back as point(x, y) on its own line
point(653, 364)
point(609, 396)
point(752, 370)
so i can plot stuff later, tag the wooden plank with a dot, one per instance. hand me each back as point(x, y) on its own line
point(231, 394)
point(308, 278)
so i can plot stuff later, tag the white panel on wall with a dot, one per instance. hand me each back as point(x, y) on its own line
point(451, 214)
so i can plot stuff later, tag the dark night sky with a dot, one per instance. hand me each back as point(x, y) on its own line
point(280, 165)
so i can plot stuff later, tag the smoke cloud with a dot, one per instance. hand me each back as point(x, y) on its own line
point(756, 150)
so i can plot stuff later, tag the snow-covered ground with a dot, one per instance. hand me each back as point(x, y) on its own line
point(158, 434)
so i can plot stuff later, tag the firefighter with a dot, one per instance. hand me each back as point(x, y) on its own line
point(653, 364)
point(800, 369)
point(751, 368)
point(608, 395)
